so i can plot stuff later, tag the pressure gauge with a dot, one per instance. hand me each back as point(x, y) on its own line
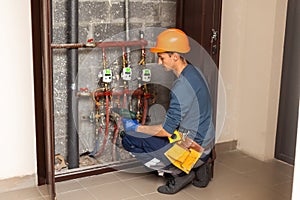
point(126, 73)
point(107, 76)
point(146, 76)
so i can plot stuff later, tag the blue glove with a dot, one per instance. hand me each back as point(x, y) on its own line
point(130, 124)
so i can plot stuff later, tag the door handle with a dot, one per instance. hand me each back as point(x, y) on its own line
point(214, 35)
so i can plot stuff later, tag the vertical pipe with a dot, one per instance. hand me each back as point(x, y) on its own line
point(127, 19)
point(106, 134)
point(127, 38)
point(72, 63)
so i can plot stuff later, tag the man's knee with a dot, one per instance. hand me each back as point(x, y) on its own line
point(127, 145)
point(132, 144)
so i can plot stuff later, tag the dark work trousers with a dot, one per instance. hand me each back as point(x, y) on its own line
point(150, 150)
point(147, 149)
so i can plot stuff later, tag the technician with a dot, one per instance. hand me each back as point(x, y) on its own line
point(189, 114)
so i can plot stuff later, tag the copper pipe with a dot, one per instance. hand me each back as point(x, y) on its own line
point(68, 46)
point(141, 42)
point(126, 91)
point(106, 128)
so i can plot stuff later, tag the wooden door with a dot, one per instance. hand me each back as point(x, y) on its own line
point(290, 87)
point(42, 91)
point(201, 20)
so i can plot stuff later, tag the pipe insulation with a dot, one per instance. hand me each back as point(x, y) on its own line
point(72, 85)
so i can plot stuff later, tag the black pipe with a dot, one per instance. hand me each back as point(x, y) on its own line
point(72, 85)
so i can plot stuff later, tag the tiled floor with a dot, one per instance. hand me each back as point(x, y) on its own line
point(237, 177)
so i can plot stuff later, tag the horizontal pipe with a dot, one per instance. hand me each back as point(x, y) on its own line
point(67, 46)
point(141, 43)
point(109, 93)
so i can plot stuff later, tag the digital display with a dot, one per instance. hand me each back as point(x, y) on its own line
point(147, 72)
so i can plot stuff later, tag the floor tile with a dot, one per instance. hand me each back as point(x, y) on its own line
point(17, 183)
point(67, 186)
point(220, 187)
point(222, 170)
point(47, 198)
point(43, 189)
point(260, 193)
point(98, 180)
point(146, 184)
point(237, 176)
point(267, 177)
point(281, 167)
point(230, 155)
point(125, 175)
point(284, 188)
point(243, 164)
point(136, 198)
point(81, 194)
point(113, 191)
point(202, 193)
point(178, 196)
point(27, 193)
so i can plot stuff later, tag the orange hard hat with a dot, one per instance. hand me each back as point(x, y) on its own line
point(171, 40)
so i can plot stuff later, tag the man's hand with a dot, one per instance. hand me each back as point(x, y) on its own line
point(130, 124)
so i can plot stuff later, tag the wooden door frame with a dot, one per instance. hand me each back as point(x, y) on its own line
point(289, 93)
point(42, 60)
point(38, 91)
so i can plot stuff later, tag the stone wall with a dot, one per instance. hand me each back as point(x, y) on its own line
point(104, 19)
point(108, 17)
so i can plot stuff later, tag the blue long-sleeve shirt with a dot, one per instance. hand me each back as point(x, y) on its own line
point(190, 107)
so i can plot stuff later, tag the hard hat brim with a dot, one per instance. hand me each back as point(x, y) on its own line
point(157, 50)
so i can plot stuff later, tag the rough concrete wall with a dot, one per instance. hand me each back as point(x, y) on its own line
point(107, 18)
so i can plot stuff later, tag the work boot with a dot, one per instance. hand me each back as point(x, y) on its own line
point(203, 175)
point(175, 184)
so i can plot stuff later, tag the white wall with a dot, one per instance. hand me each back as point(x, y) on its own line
point(17, 129)
point(250, 63)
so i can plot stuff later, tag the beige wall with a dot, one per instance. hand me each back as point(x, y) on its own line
point(250, 64)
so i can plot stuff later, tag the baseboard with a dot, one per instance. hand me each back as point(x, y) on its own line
point(226, 146)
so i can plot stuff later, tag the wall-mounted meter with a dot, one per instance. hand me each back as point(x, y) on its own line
point(146, 76)
point(126, 73)
point(107, 76)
